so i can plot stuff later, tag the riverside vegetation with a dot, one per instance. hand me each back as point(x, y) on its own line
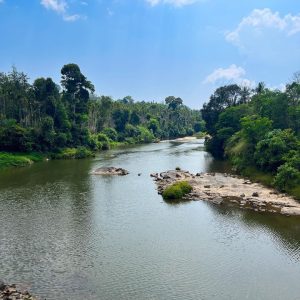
point(258, 131)
point(44, 119)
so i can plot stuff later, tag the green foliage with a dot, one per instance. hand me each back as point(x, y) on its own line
point(199, 126)
point(111, 133)
point(145, 136)
point(270, 151)
point(287, 178)
point(177, 190)
point(18, 160)
point(222, 98)
point(43, 117)
point(254, 128)
point(72, 153)
point(154, 126)
point(261, 132)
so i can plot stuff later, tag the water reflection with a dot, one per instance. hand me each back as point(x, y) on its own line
point(70, 235)
point(284, 230)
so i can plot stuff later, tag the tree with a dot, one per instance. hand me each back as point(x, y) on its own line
point(223, 97)
point(269, 152)
point(76, 87)
point(254, 128)
point(173, 102)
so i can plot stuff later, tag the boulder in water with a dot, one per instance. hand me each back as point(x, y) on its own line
point(110, 171)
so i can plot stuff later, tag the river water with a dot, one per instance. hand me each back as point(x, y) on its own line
point(66, 234)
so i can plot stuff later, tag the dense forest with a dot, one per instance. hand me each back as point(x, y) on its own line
point(71, 121)
point(258, 131)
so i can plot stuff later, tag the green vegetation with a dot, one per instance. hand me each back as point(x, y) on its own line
point(69, 153)
point(258, 131)
point(177, 190)
point(71, 121)
point(18, 160)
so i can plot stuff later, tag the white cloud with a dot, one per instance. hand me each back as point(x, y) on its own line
point(171, 2)
point(72, 18)
point(261, 20)
point(232, 74)
point(58, 6)
point(61, 7)
point(281, 87)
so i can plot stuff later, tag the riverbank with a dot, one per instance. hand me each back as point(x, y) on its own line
point(221, 188)
point(8, 159)
point(18, 159)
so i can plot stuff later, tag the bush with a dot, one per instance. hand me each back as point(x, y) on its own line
point(145, 135)
point(177, 190)
point(111, 133)
point(104, 141)
point(269, 152)
point(83, 152)
point(69, 153)
point(287, 178)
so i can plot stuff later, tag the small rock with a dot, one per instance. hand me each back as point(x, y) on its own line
point(243, 195)
point(139, 174)
point(207, 186)
point(255, 194)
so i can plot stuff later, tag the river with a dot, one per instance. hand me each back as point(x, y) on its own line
point(66, 234)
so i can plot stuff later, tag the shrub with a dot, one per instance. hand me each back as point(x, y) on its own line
point(270, 151)
point(104, 141)
point(111, 133)
point(69, 153)
point(177, 190)
point(287, 177)
point(145, 136)
point(83, 152)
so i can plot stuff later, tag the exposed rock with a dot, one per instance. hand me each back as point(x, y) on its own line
point(110, 171)
point(10, 292)
point(225, 188)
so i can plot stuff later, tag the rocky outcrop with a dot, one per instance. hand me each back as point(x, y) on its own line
point(10, 292)
point(221, 188)
point(110, 171)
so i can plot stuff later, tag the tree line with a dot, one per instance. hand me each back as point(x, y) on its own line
point(257, 129)
point(46, 117)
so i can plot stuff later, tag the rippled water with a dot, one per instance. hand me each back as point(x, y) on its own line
point(67, 234)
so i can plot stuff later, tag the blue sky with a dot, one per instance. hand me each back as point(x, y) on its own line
point(151, 49)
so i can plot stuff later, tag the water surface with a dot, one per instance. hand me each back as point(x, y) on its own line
point(67, 234)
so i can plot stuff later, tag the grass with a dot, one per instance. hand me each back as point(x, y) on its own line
point(25, 159)
point(18, 159)
point(177, 190)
